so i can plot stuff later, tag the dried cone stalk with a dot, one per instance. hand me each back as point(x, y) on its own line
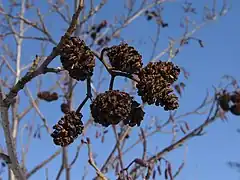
point(111, 107)
point(67, 129)
point(77, 58)
point(155, 82)
point(125, 58)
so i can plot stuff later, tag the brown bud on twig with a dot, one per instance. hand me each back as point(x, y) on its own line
point(154, 174)
point(166, 173)
point(141, 162)
point(88, 140)
point(102, 139)
point(201, 43)
point(159, 170)
point(164, 25)
point(186, 126)
point(65, 108)
point(181, 128)
point(178, 89)
point(169, 168)
point(82, 141)
point(102, 25)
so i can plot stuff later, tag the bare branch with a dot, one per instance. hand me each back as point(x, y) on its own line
point(38, 110)
point(41, 69)
point(194, 133)
point(118, 147)
point(91, 161)
point(9, 141)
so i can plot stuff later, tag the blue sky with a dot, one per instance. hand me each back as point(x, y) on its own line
point(206, 156)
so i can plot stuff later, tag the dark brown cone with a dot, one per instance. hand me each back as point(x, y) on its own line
point(170, 72)
point(111, 107)
point(154, 89)
point(235, 109)
point(77, 59)
point(224, 100)
point(47, 96)
point(67, 129)
point(137, 115)
point(167, 70)
point(170, 102)
point(65, 108)
point(125, 58)
point(235, 98)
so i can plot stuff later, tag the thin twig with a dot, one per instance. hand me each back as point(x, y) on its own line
point(111, 83)
point(60, 172)
point(144, 144)
point(38, 110)
point(118, 147)
point(121, 137)
point(194, 133)
point(93, 11)
point(76, 155)
point(110, 70)
point(43, 163)
point(89, 95)
point(65, 163)
point(91, 161)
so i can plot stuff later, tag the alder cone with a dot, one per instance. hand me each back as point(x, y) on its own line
point(111, 107)
point(224, 101)
point(77, 58)
point(125, 58)
point(67, 129)
point(136, 116)
point(235, 109)
point(154, 86)
point(168, 70)
point(169, 101)
point(235, 98)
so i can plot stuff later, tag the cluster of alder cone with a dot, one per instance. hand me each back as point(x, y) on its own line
point(230, 102)
point(111, 107)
